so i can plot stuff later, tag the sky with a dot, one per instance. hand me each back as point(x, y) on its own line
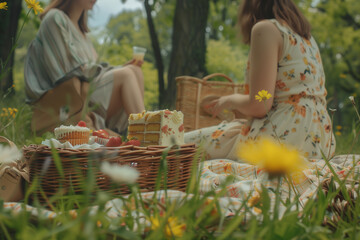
point(104, 9)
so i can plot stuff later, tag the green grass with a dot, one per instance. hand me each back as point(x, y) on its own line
point(311, 223)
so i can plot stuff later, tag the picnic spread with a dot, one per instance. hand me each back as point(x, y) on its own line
point(240, 184)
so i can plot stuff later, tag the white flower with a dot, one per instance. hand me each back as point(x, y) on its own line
point(352, 99)
point(9, 154)
point(120, 174)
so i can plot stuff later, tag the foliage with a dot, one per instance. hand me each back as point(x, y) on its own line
point(225, 58)
point(336, 26)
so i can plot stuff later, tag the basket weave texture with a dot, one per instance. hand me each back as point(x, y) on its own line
point(76, 164)
point(191, 91)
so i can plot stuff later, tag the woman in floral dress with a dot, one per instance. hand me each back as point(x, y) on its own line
point(285, 61)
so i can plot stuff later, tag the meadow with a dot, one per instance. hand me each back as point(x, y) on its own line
point(331, 214)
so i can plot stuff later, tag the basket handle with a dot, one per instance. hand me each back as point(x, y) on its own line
point(217, 75)
point(5, 140)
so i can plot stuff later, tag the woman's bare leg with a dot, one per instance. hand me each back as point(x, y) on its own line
point(127, 92)
point(139, 76)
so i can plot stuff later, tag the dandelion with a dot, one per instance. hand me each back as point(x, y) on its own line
point(352, 100)
point(254, 200)
point(342, 75)
point(275, 158)
point(263, 95)
point(120, 174)
point(34, 5)
point(172, 228)
point(337, 133)
point(3, 5)
point(9, 154)
point(338, 127)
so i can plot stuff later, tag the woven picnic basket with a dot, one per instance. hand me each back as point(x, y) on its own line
point(76, 164)
point(190, 93)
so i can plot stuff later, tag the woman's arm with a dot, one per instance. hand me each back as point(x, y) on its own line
point(265, 51)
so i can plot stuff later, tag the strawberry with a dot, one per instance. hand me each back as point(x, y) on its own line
point(114, 142)
point(133, 142)
point(81, 124)
point(101, 133)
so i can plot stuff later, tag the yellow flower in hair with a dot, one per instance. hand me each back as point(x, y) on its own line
point(263, 95)
point(275, 158)
point(34, 5)
point(3, 5)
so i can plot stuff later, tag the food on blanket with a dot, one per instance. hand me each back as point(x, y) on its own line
point(114, 142)
point(162, 127)
point(76, 135)
point(133, 142)
point(102, 136)
point(101, 133)
point(81, 124)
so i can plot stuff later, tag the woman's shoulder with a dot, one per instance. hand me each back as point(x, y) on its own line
point(55, 16)
point(265, 28)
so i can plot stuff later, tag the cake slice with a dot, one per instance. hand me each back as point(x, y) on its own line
point(162, 127)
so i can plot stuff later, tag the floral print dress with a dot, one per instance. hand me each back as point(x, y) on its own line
point(298, 116)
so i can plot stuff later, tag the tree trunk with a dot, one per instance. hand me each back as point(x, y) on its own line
point(188, 45)
point(8, 29)
point(156, 48)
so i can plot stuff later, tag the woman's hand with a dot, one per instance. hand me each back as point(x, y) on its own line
point(135, 62)
point(218, 105)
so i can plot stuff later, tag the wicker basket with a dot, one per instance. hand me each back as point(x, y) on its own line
point(76, 164)
point(191, 91)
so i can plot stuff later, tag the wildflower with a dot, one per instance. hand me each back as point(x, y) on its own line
point(172, 228)
point(273, 157)
point(339, 127)
point(254, 200)
point(9, 154)
point(342, 75)
point(352, 99)
point(332, 110)
point(3, 5)
point(337, 133)
point(263, 95)
point(120, 174)
point(34, 5)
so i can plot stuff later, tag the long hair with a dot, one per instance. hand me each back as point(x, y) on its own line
point(64, 5)
point(253, 11)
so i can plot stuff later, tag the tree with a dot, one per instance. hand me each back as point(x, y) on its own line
point(8, 29)
point(188, 44)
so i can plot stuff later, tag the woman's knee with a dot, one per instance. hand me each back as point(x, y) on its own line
point(123, 74)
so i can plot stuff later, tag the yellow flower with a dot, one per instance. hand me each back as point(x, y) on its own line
point(263, 95)
point(275, 158)
point(339, 127)
point(32, 4)
point(337, 133)
point(342, 75)
point(172, 227)
point(3, 5)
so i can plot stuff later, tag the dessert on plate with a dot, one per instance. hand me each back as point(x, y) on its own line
point(163, 127)
point(76, 135)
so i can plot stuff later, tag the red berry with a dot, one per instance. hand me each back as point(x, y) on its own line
point(114, 142)
point(133, 142)
point(81, 124)
point(101, 133)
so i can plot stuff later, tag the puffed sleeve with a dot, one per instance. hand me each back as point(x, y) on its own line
point(57, 54)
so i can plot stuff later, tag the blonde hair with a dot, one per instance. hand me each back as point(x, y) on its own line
point(253, 11)
point(64, 6)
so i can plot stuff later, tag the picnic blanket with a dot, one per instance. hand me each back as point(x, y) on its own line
point(245, 183)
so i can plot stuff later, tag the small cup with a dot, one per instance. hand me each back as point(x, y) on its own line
point(139, 53)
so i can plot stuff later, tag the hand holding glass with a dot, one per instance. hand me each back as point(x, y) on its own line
point(138, 54)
